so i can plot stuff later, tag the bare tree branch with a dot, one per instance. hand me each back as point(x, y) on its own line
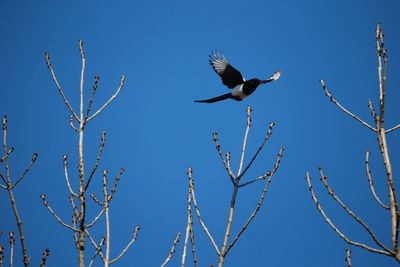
point(334, 101)
point(189, 224)
point(71, 123)
point(6, 154)
point(96, 164)
point(348, 257)
point(59, 87)
point(172, 250)
point(267, 136)
point(98, 250)
point(196, 207)
point(46, 204)
point(264, 192)
point(338, 232)
point(9, 188)
point(371, 183)
point(71, 191)
point(246, 134)
point(350, 212)
point(96, 80)
point(12, 243)
point(133, 240)
point(227, 166)
point(33, 160)
point(46, 253)
point(121, 84)
point(1, 256)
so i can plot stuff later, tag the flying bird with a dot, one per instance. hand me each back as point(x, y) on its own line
point(233, 79)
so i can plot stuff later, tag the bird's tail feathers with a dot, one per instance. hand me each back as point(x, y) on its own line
point(215, 99)
point(273, 77)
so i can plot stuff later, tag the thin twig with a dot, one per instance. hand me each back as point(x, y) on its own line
point(226, 165)
point(12, 243)
point(26, 258)
point(338, 232)
point(71, 123)
point(324, 180)
point(4, 180)
point(98, 250)
point(196, 207)
point(267, 136)
point(116, 180)
point(192, 243)
point(7, 154)
point(371, 183)
point(264, 192)
point(348, 257)
point(33, 160)
point(71, 191)
point(334, 101)
point(172, 250)
point(46, 203)
point(98, 216)
point(106, 200)
point(246, 134)
point(133, 240)
point(121, 84)
point(46, 253)
point(94, 244)
point(189, 223)
point(96, 164)
point(96, 80)
point(393, 128)
point(1, 256)
point(59, 87)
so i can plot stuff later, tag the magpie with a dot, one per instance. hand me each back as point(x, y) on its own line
point(233, 79)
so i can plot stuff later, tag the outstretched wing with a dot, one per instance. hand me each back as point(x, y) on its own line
point(229, 75)
point(215, 99)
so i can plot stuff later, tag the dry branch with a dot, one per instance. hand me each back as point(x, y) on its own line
point(380, 131)
point(226, 160)
point(172, 250)
point(78, 198)
point(348, 257)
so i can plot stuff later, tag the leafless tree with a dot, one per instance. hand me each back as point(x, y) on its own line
point(378, 128)
point(236, 180)
point(81, 225)
point(9, 184)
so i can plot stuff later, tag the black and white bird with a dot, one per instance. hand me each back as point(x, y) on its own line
point(233, 79)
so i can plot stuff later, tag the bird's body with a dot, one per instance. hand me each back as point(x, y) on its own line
point(233, 79)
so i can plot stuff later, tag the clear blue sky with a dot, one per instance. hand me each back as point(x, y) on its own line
point(155, 130)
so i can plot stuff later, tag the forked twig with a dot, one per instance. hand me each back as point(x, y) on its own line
point(121, 84)
point(264, 192)
point(267, 136)
point(224, 161)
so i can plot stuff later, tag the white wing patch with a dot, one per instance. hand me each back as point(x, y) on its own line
point(218, 62)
